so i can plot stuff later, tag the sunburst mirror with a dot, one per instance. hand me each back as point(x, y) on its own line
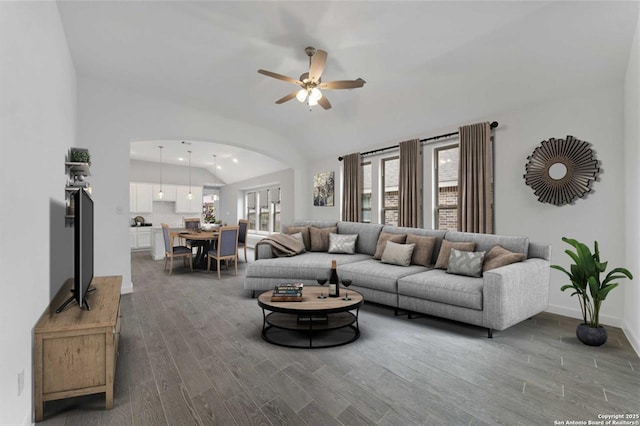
point(561, 170)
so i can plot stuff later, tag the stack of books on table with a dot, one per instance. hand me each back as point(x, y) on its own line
point(287, 293)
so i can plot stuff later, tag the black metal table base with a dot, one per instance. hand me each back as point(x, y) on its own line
point(310, 332)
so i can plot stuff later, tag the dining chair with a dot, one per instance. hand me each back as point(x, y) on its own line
point(171, 251)
point(226, 249)
point(243, 226)
point(191, 223)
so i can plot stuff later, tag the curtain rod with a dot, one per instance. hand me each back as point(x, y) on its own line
point(493, 125)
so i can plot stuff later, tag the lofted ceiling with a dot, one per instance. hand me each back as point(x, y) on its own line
point(428, 65)
point(231, 164)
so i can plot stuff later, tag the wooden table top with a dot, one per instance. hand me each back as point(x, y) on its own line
point(202, 235)
point(310, 302)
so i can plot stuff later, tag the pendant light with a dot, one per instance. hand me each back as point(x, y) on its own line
point(189, 195)
point(160, 193)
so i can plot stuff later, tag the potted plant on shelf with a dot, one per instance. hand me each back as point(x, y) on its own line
point(79, 155)
point(585, 280)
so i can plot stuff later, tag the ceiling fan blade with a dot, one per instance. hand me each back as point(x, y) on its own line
point(318, 62)
point(279, 76)
point(342, 84)
point(287, 97)
point(324, 102)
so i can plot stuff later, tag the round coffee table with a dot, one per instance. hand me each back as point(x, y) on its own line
point(329, 321)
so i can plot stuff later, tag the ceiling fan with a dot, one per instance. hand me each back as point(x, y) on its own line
point(311, 82)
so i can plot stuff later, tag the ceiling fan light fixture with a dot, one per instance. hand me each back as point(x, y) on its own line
point(312, 101)
point(302, 95)
point(316, 94)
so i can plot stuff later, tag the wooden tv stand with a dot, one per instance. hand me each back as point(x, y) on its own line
point(76, 350)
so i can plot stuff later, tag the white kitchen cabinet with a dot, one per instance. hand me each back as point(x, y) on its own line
point(133, 238)
point(140, 197)
point(168, 192)
point(140, 237)
point(186, 205)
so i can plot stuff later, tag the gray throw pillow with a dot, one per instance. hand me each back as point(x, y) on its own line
point(382, 242)
point(342, 243)
point(304, 230)
point(467, 263)
point(298, 236)
point(397, 254)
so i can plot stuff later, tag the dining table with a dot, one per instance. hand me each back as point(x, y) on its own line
point(204, 241)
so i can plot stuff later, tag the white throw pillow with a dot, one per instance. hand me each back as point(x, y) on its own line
point(342, 243)
point(397, 254)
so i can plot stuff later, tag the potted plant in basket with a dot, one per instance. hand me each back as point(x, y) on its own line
point(585, 280)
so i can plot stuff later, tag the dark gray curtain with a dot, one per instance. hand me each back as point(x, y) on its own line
point(410, 184)
point(352, 188)
point(475, 213)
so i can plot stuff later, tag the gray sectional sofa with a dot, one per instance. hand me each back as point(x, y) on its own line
point(499, 299)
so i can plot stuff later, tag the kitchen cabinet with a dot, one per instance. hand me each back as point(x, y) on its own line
point(168, 192)
point(186, 205)
point(140, 237)
point(140, 197)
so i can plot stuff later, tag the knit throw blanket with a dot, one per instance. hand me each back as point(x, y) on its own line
point(282, 245)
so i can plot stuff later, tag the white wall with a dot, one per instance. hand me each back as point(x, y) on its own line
point(109, 118)
point(595, 115)
point(631, 291)
point(37, 127)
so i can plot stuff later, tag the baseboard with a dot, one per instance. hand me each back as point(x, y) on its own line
point(575, 313)
point(28, 419)
point(631, 337)
point(126, 289)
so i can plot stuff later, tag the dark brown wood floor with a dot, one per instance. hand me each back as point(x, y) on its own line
point(191, 353)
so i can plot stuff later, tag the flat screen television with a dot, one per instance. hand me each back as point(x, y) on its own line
point(83, 249)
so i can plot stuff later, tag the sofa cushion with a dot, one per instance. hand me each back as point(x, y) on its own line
point(376, 275)
point(438, 286)
point(382, 242)
point(320, 238)
point(342, 243)
point(467, 263)
point(309, 265)
point(423, 251)
point(304, 231)
point(499, 256)
point(397, 254)
point(367, 235)
point(438, 234)
point(445, 252)
point(484, 242)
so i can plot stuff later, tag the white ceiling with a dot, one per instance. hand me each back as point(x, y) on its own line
point(232, 164)
point(428, 65)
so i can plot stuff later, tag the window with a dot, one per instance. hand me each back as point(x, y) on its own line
point(390, 177)
point(366, 192)
point(263, 210)
point(275, 207)
point(263, 195)
point(446, 187)
point(251, 203)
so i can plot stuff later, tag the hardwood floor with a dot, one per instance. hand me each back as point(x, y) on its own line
point(191, 353)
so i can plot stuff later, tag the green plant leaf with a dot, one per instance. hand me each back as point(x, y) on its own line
point(605, 290)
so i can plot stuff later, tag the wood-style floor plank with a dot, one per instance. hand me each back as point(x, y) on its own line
point(191, 353)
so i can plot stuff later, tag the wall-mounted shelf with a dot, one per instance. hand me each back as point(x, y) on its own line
point(77, 172)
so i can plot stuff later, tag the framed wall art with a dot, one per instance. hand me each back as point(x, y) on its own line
point(323, 189)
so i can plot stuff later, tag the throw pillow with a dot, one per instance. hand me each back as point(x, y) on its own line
point(424, 249)
point(499, 256)
point(298, 236)
point(342, 243)
point(304, 230)
point(320, 237)
point(468, 263)
point(397, 254)
point(382, 242)
point(445, 252)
